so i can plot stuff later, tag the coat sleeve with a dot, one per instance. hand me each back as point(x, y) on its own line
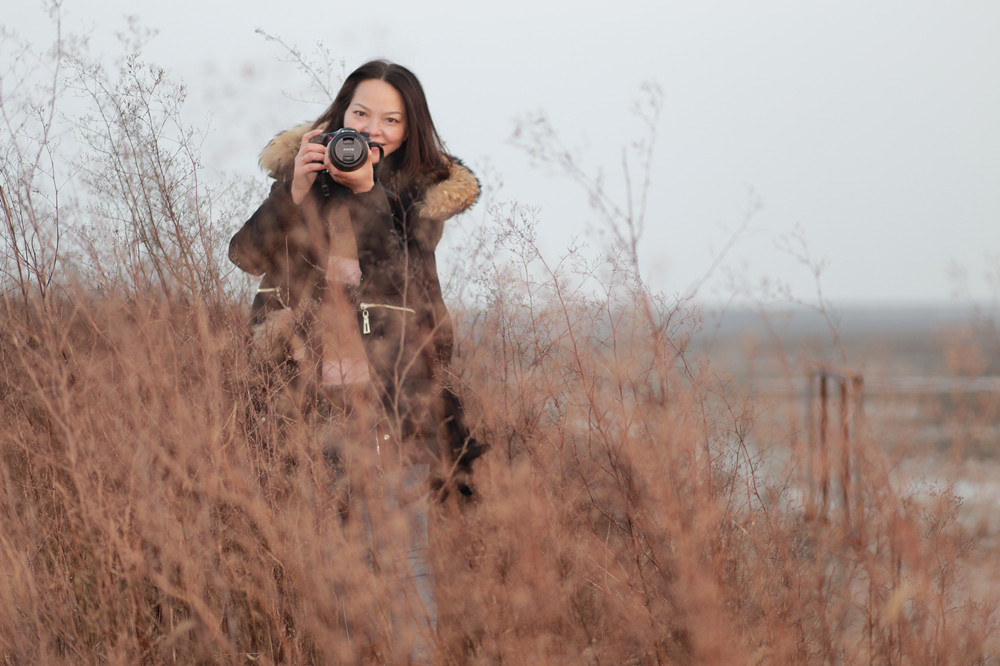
point(254, 246)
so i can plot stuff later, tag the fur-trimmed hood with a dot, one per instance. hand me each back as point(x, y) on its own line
point(443, 200)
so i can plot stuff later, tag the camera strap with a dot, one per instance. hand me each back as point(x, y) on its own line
point(381, 158)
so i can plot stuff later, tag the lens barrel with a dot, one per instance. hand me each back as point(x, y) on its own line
point(347, 148)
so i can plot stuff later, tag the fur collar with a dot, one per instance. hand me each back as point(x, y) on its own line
point(442, 200)
point(278, 156)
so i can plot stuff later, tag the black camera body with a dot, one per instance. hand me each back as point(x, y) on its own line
point(347, 148)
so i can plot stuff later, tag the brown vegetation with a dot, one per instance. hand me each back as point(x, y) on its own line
point(154, 508)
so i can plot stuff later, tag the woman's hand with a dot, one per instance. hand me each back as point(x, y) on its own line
point(358, 181)
point(309, 161)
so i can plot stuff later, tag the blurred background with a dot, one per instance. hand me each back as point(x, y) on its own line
point(850, 147)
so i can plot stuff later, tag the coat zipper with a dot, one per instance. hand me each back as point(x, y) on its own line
point(366, 327)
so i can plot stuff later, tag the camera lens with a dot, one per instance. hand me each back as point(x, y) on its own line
point(348, 150)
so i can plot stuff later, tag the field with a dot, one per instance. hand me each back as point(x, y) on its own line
point(927, 412)
point(930, 380)
point(639, 506)
point(653, 494)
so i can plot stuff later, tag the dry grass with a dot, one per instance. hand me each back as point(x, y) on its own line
point(156, 508)
point(624, 519)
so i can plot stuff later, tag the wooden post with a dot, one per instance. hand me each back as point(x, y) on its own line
point(850, 388)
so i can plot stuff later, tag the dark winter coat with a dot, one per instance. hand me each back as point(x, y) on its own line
point(395, 229)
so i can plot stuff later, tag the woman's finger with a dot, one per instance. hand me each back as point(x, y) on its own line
point(307, 137)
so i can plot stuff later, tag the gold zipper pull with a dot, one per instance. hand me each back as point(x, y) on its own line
point(366, 326)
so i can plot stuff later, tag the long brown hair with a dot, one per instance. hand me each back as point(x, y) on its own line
point(421, 158)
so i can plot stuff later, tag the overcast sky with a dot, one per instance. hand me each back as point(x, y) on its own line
point(868, 131)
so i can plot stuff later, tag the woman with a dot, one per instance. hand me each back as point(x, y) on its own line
point(367, 242)
point(350, 288)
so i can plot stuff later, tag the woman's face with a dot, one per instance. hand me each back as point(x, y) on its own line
point(377, 108)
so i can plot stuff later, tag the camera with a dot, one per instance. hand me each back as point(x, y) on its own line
point(347, 148)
